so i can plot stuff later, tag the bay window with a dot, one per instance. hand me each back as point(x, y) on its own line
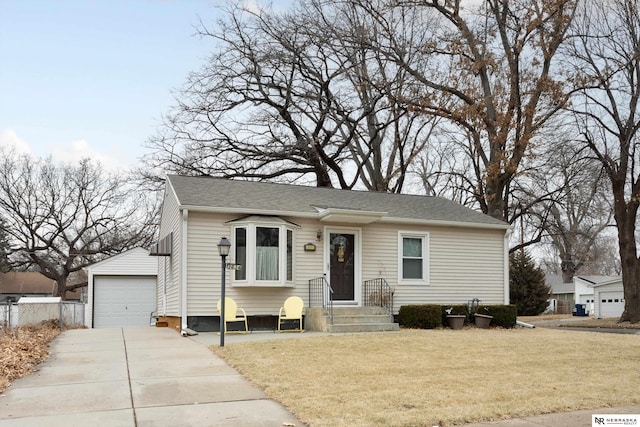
point(264, 252)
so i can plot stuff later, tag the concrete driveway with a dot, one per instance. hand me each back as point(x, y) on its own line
point(136, 377)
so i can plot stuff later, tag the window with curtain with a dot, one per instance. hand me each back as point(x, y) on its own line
point(413, 257)
point(265, 254)
point(267, 248)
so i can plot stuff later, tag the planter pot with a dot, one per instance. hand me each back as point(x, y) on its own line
point(483, 321)
point(455, 320)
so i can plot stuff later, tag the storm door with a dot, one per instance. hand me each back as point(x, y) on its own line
point(342, 268)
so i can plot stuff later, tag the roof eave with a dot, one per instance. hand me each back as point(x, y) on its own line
point(317, 215)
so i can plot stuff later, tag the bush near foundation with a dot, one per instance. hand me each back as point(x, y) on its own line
point(504, 316)
point(420, 316)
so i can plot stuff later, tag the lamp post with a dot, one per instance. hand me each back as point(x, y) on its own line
point(224, 246)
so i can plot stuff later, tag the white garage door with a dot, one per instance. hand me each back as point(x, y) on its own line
point(120, 301)
point(611, 304)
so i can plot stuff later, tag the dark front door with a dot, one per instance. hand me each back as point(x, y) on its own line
point(342, 265)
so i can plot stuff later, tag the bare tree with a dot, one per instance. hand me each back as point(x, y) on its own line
point(606, 50)
point(576, 218)
point(60, 219)
point(5, 247)
point(489, 70)
point(291, 96)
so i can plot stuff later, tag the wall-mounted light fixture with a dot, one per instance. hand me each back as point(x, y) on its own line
point(319, 234)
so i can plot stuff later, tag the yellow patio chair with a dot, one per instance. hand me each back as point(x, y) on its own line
point(231, 315)
point(292, 310)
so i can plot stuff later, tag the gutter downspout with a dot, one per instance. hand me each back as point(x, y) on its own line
point(507, 235)
point(183, 271)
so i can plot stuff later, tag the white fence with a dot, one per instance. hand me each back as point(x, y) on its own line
point(68, 314)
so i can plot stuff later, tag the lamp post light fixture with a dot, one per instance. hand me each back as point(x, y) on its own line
point(224, 246)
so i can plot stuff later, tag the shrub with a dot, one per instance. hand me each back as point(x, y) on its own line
point(503, 315)
point(422, 316)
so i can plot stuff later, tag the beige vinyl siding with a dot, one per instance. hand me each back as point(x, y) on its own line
point(169, 267)
point(463, 264)
point(204, 263)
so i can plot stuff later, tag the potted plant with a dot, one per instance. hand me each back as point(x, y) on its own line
point(455, 321)
point(483, 320)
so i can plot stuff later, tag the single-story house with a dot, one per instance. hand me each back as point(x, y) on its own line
point(289, 240)
point(561, 300)
point(122, 290)
point(17, 284)
point(603, 295)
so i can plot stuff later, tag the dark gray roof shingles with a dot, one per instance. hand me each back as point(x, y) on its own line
point(206, 192)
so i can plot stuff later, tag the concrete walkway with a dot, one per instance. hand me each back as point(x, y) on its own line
point(136, 377)
point(155, 377)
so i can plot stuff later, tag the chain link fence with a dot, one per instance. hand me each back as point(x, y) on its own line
point(68, 314)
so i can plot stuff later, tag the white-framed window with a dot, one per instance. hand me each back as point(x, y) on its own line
point(413, 257)
point(264, 252)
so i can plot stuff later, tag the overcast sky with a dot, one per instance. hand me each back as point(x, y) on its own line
point(92, 77)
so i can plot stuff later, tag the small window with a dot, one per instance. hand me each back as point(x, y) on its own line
point(413, 257)
point(241, 253)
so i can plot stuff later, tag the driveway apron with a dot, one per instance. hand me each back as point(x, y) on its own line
point(136, 377)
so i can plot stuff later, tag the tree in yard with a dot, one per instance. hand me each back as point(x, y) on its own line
point(489, 70)
point(298, 95)
point(60, 219)
point(527, 287)
point(5, 247)
point(568, 201)
point(606, 50)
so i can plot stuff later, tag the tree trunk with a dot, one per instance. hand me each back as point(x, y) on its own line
point(61, 287)
point(625, 215)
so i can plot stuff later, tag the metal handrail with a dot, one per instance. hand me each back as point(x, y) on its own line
point(321, 295)
point(378, 293)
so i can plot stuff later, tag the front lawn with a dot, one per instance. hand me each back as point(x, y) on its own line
point(430, 377)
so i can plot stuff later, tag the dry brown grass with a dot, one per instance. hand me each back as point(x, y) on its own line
point(609, 323)
point(445, 377)
point(22, 349)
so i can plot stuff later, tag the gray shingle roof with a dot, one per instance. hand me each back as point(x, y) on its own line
point(205, 193)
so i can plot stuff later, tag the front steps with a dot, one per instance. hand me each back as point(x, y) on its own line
point(350, 319)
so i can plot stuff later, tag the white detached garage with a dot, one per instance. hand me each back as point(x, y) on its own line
point(609, 297)
point(122, 290)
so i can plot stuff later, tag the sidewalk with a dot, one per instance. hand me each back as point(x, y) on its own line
point(136, 377)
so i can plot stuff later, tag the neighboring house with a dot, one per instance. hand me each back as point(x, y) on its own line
point(603, 295)
point(606, 297)
point(562, 295)
point(287, 239)
point(17, 284)
point(122, 290)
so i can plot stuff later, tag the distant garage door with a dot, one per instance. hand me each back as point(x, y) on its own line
point(120, 301)
point(611, 304)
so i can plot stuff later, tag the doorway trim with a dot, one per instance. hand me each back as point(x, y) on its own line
point(357, 270)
